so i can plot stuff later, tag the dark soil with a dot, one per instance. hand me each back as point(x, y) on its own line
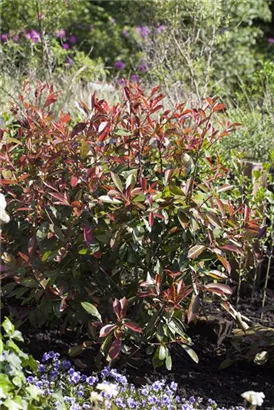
point(203, 379)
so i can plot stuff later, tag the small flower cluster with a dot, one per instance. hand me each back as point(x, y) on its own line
point(69, 40)
point(35, 36)
point(107, 389)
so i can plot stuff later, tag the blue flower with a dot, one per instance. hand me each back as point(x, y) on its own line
point(174, 386)
point(91, 380)
point(105, 372)
point(75, 377)
point(131, 403)
point(41, 368)
point(30, 379)
point(66, 364)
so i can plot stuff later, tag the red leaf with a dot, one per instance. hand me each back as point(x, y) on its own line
point(60, 197)
point(52, 98)
point(117, 308)
point(193, 309)
point(151, 218)
point(73, 181)
point(115, 349)
point(78, 128)
point(7, 181)
point(225, 263)
point(218, 107)
point(231, 248)
point(32, 245)
point(133, 326)
point(88, 237)
point(219, 288)
point(106, 330)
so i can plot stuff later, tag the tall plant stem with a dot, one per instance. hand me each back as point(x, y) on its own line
point(266, 279)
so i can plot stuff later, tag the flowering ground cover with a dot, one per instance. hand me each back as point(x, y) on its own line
point(108, 389)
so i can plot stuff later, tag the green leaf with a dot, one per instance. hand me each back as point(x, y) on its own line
point(122, 133)
point(195, 251)
point(117, 181)
point(108, 200)
point(14, 404)
point(5, 386)
point(8, 326)
point(168, 362)
point(191, 353)
point(162, 352)
point(131, 180)
point(34, 391)
point(91, 309)
point(84, 149)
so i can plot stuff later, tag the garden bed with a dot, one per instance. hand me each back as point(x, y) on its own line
point(203, 379)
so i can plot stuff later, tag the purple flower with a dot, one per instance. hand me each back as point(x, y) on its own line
point(41, 368)
point(143, 31)
point(15, 37)
point(33, 35)
point(75, 377)
point(192, 399)
point(61, 33)
point(30, 379)
point(66, 46)
point(125, 33)
point(41, 16)
point(4, 37)
point(121, 81)
point(271, 40)
point(69, 61)
point(131, 403)
point(91, 380)
point(45, 357)
point(72, 39)
point(66, 364)
point(119, 65)
point(174, 386)
point(161, 28)
point(135, 78)
point(142, 67)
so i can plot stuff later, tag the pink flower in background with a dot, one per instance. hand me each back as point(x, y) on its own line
point(135, 78)
point(119, 65)
point(41, 16)
point(69, 61)
point(125, 33)
point(4, 37)
point(66, 46)
point(33, 35)
point(142, 67)
point(61, 33)
point(143, 31)
point(121, 81)
point(72, 39)
point(15, 37)
point(271, 40)
point(161, 28)
point(112, 20)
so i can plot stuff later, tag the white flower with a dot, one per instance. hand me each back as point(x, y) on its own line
point(95, 396)
point(4, 217)
point(254, 398)
point(109, 388)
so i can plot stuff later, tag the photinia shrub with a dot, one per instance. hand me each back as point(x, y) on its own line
point(120, 221)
